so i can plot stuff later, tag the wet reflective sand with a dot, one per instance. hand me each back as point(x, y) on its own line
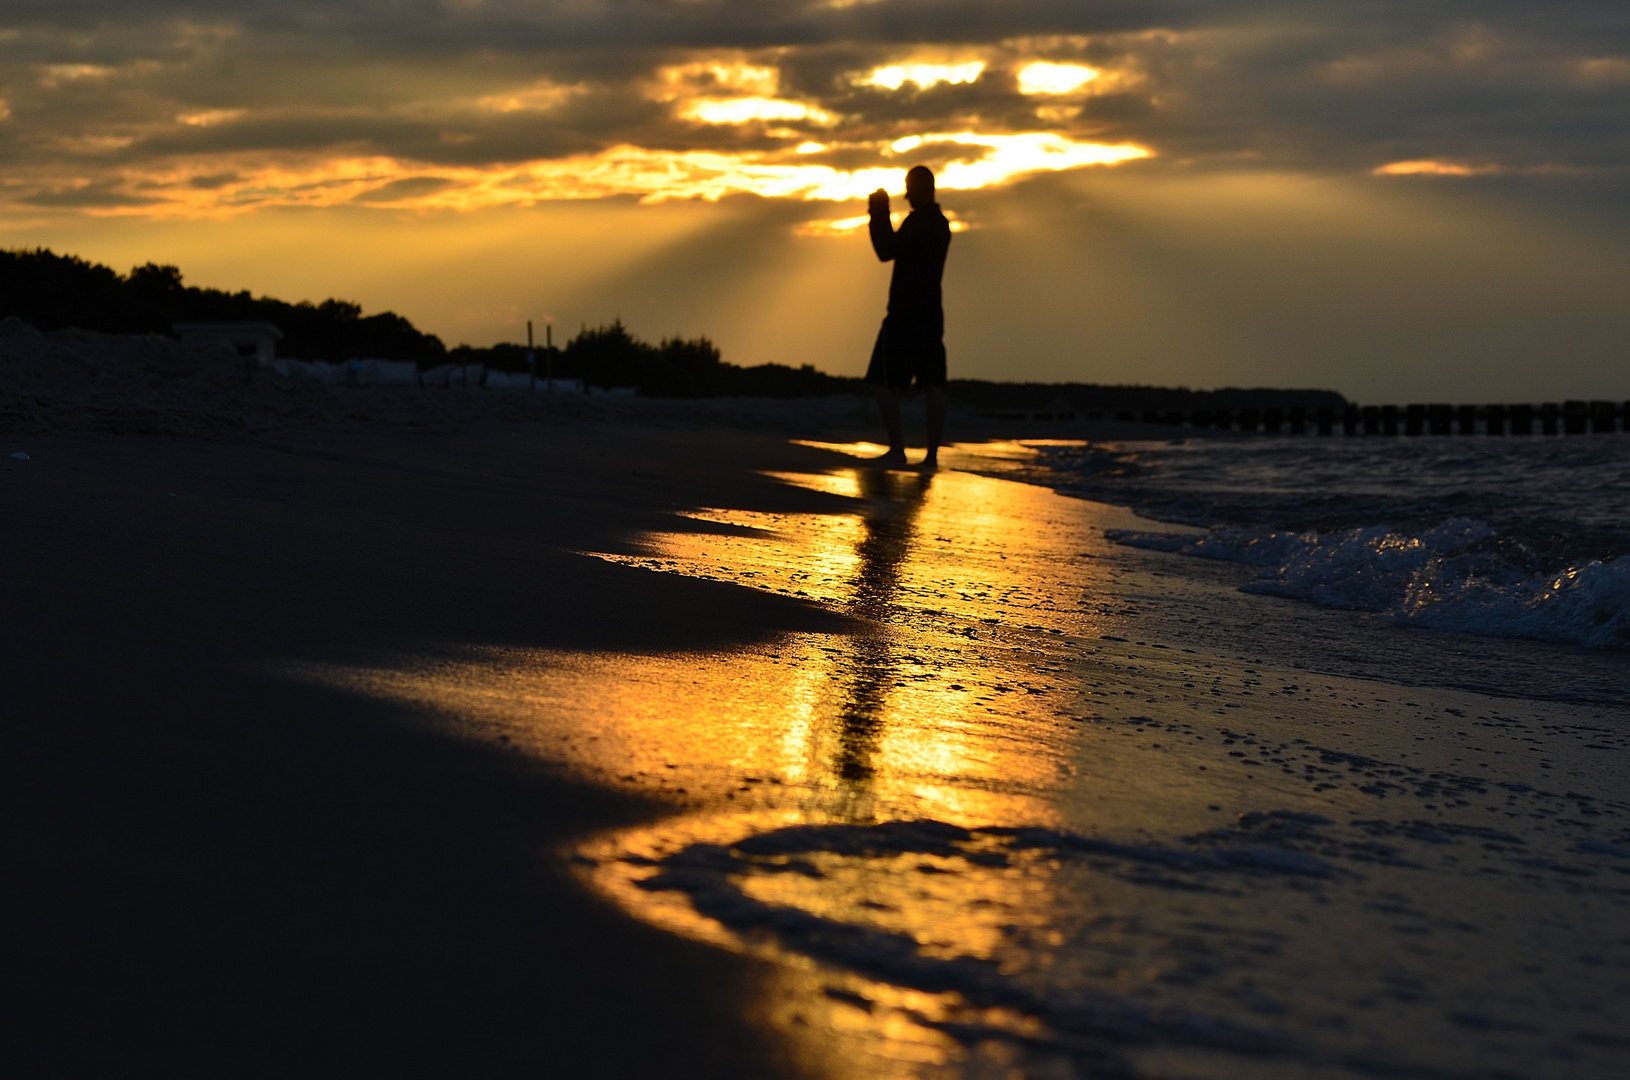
point(1018, 820)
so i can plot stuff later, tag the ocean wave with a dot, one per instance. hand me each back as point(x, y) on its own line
point(1459, 575)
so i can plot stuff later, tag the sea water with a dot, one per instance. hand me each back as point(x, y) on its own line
point(1047, 797)
point(1515, 537)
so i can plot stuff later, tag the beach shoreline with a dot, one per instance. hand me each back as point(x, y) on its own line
point(235, 871)
point(330, 740)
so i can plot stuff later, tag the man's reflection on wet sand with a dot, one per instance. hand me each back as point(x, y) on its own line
point(869, 668)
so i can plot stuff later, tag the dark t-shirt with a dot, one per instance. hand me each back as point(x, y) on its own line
point(918, 249)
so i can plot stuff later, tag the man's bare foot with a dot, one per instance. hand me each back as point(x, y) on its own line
point(930, 464)
point(894, 459)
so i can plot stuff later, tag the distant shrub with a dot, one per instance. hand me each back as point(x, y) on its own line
point(610, 356)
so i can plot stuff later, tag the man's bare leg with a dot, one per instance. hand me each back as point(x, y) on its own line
point(936, 424)
point(888, 403)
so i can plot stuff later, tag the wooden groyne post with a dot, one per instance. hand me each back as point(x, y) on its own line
point(1421, 420)
point(1414, 421)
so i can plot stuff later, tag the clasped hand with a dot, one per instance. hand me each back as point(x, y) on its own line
point(878, 202)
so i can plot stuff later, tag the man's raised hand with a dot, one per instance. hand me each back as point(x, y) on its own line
point(878, 202)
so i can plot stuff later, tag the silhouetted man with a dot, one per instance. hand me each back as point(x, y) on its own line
point(911, 344)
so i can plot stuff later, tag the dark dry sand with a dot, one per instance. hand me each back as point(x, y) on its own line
point(214, 870)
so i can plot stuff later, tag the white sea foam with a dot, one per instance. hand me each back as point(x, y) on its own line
point(1499, 537)
point(1585, 605)
point(1454, 576)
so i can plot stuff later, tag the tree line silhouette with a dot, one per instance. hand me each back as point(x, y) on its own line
point(54, 292)
point(57, 291)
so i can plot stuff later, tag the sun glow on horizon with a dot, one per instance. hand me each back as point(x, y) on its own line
point(848, 225)
point(1013, 156)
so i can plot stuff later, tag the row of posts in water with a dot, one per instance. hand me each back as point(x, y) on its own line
point(1569, 418)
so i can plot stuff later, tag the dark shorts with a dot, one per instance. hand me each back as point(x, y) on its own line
point(907, 351)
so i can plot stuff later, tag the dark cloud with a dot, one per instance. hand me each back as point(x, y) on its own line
point(101, 196)
point(440, 27)
point(1294, 85)
point(410, 187)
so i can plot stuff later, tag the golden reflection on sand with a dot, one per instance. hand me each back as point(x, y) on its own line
point(916, 713)
point(901, 732)
point(910, 713)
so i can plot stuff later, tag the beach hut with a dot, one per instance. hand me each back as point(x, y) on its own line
point(257, 339)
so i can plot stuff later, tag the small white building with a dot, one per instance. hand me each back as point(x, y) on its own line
point(257, 339)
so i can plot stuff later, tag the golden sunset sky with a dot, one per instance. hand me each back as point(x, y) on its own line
point(1395, 200)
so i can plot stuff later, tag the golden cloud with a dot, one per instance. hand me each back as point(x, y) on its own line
point(1047, 78)
point(93, 144)
point(539, 97)
point(749, 109)
point(53, 75)
point(208, 117)
point(1603, 71)
point(1433, 167)
point(967, 160)
point(711, 76)
point(922, 76)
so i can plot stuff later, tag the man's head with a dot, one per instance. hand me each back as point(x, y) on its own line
point(920, 187)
